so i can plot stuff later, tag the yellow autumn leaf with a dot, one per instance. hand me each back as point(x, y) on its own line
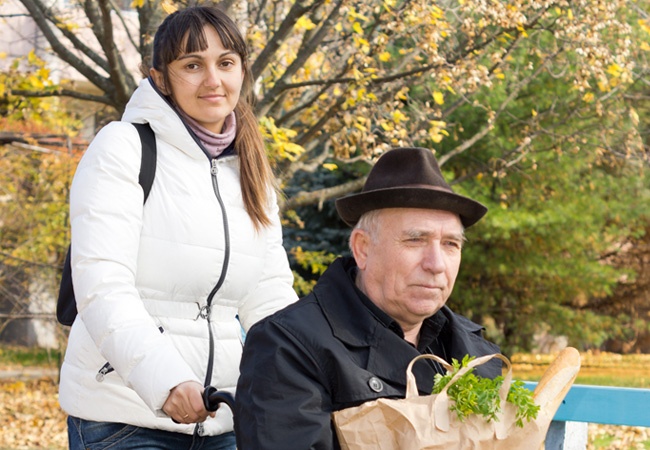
point(398, 116)
point(634, 117)
point(588, 97)
point(304, 23)
point(384, 56)
point(43, 72)
point(401, 95)
point(330, 166)
point(357, 28)
point(614, 70)
point(439, 98)
point(35, 82)
point(169, 7)
point(32, 58)
point(436, 13)
point(386, 126)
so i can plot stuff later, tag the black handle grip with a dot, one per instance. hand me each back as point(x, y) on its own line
point(212, 398)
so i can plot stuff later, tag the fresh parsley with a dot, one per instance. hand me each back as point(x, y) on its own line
point(477, 395)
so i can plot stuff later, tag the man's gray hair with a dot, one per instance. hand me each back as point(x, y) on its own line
point(369, 222)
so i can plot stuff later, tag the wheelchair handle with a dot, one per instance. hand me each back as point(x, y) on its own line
point(212, 399)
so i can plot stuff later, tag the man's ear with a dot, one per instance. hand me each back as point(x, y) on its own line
point(359, 242)
point(159, 79)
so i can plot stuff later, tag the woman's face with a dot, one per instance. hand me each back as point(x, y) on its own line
point(205, 85)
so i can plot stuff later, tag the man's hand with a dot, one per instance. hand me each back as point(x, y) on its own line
point(185, 403)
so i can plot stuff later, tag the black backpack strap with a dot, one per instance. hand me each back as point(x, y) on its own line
point(148, 162)
point(66, 307)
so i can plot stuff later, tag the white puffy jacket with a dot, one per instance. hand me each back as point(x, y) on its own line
point(142, 275)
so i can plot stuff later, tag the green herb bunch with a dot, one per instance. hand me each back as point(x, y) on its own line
point(477, 395)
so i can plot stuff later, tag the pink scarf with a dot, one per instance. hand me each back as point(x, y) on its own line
point(214, 143)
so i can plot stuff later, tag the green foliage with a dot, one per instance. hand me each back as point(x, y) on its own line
point(28, 356)
point(477, 395)
point(539, 251)
point(559, 202)
point(314, 234)
point(314, 263)
point(34, 208)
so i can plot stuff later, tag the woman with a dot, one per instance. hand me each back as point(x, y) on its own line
point(160, 287)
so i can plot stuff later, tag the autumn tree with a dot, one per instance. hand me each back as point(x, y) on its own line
point(35, 175)
point(523, 101)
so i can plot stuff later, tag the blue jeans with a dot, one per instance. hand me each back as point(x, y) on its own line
point(88, 435)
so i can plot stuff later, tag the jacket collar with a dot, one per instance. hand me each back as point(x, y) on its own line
point(389, 354)
point(353, 324)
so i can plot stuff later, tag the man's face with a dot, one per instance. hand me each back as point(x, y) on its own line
point(409, 267)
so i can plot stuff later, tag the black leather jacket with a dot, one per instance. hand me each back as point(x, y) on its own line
point(325, 353)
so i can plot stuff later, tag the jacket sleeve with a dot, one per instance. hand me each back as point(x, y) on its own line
point(106, 218)
point(282, 400)
point(274, 290)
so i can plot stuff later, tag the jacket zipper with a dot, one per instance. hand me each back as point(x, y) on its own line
point(224, 269)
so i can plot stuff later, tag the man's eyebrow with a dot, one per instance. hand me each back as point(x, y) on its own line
point(415, 233)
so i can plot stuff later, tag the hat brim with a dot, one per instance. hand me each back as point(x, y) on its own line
point(352, 207)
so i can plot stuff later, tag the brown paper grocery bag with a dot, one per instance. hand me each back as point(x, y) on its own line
point(425, 422)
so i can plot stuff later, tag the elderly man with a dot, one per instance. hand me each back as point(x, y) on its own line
point(351, 339)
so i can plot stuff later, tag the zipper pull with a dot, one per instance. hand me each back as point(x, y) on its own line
point(214, 169)
point(105, 370)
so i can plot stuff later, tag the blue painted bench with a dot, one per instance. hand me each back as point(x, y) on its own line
point(595, 404)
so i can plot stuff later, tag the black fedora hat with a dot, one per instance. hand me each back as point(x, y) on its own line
point(408, 178)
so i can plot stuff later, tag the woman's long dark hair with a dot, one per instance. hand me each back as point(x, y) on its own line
point(182, 32)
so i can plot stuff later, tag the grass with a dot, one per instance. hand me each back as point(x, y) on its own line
point(597, 368)
point(17, 356)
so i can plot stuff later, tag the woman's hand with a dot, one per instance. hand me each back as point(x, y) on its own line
point(185, 403)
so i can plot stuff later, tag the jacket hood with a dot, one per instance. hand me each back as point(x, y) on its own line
point(147, 104)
